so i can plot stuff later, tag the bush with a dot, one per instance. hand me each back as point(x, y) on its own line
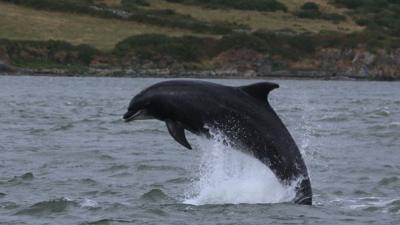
point(366, 4)
point(368, 39)
point(242, 40)
point(310, 6)
point(351, 4)
point(86, 53)
point(291, 46)
point(308, 14)
point(377, 15)
point(156, 47)
point(71, 6)
point(310, 10)
point(133, 3)
point(336, 18)
point(60, 5)
point(258, 5)
point(49, 52)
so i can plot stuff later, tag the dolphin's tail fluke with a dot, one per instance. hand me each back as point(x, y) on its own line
point(303, 192)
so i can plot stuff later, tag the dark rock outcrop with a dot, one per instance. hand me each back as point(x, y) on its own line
point(241, 60)
point(328, 63)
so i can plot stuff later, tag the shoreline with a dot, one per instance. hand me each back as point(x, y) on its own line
point(199, 74)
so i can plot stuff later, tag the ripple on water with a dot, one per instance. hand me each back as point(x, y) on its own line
point(63, 127)
point(123, 174)
point(386, 181)
point(179, 180)
point(141, 131)
point(48, 207)
point(21, 179)
point(106, 157)
point(335, 118)
point(361, 102)
point(26, 176)
point(370, 204)
point(108, 221)
point(382, 205)
point(154, 195)
point(88, 181)
point(8, 205)
point(37, 131)
point(378, 113)
point(144, 167)
point(394, 125)
point(361, 193)
point(377, 127)
point(394, 206)
point(114, 168)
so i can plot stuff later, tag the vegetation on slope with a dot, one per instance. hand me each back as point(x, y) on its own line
point(272, 21)
point(311, 10)
point(129, 11)
point(164, 50)
point(377, 15)
point(170, 33)
point(256, 5)
point(21, 23)
point(48, 54)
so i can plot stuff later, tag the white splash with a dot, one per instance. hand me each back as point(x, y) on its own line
point(88, 203)
point(229, 176)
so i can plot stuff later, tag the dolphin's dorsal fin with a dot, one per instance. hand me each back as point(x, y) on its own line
point(259, 90)
point(177, 131)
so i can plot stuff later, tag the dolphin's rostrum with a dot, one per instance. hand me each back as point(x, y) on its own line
point(242, 114)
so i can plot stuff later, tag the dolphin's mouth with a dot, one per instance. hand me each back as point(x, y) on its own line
point(129, 116)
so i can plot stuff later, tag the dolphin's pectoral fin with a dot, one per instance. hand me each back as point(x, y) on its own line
point(177, 131)
point(259, 90)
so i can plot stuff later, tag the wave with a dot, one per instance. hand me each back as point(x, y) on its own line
point(229, 176)
point(56, 206)
point(154, 195)
point(371, 204)
point(26, 177)
point(47, 207)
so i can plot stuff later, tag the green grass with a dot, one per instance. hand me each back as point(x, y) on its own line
point(22, 23)
point(265, 20)
point(39, 64)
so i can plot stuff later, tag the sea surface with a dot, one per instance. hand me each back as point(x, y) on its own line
point(66, 157)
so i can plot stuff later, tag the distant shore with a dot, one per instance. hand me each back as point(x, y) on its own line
point(207, 74)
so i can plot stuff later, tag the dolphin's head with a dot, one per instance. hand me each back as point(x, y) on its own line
point(139, 108)
point(154, 102)
point(169, 102)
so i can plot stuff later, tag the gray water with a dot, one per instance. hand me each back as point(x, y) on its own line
point(67, 158)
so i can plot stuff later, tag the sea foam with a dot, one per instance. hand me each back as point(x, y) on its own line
point(229, 176)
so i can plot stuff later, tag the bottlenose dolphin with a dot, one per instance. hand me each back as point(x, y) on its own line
point(242, 114)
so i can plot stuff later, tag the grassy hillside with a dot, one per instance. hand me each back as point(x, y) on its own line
point(264, 20)
point(22, 23)
point(335, 36)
